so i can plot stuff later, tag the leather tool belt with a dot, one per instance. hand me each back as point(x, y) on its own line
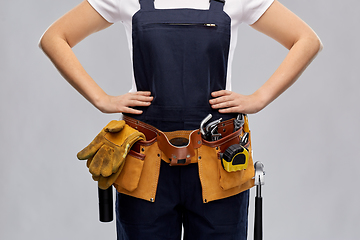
point(179, 148)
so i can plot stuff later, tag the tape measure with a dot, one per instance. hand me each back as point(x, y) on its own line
point(235, 158)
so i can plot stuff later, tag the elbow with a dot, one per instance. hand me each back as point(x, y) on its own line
point(41, 42)
point(310, 42)
point(44, 42)
point(321, 46)
point(48, 40)
point(51, 40)
point(316, 44)
point(312, 45)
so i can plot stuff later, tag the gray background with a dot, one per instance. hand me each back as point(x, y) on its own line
point(307, 138)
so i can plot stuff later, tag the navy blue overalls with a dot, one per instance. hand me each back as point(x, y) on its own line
point(181, 57)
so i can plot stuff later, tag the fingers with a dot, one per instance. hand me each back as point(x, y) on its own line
point(101, 164)
point(223, 99)
point(88, 162)
point(136, 99)
point(143, 98)
point(144, 93)
point(229, 110)
point(105, 182)
point(220, 93)
point(115, 126)
point(230, 102)
point(92, 148)
point(131, 110)
point(126, 103)
point(107, 164)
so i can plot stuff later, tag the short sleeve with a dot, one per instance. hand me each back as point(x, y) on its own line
point(252, 10)
point(108, 9)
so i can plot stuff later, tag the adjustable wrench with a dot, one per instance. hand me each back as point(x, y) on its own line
point(239, 122)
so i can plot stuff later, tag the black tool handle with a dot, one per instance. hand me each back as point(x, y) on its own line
point(258, 230)
point(105, 204)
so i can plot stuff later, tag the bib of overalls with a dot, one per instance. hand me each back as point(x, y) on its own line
point(181, 57)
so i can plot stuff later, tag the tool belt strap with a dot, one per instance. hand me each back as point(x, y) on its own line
point(186, 153)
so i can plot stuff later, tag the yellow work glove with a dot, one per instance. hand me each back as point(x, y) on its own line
point(106, 153)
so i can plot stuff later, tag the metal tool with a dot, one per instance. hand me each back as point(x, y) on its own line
point(214, 133)
point(210, 132)
point(244, 139)
point(259, 181)
point(202, 124)
point(239, 121)
point(212, 125)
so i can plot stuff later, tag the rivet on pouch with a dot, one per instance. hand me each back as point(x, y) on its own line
point(205, 200)
point(199, 157)
point(142, 149)
point(217, 148)
point(158, 155)
point(199, 142)
point(151, 200)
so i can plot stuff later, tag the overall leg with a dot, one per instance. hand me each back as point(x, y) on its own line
point(224, 219)
point(138, 219)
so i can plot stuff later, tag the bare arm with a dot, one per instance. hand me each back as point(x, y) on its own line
point(57, 42)
point(285, 27)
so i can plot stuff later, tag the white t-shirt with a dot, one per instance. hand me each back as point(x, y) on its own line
point(240, 11)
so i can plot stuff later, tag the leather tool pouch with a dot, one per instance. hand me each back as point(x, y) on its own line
point(139, 177)
point(216, 182)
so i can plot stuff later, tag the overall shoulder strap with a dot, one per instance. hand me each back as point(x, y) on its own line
point(217, 5)
point(147, 5)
